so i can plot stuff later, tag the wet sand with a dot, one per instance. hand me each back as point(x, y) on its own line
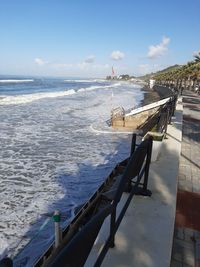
point(150, 96)
point(155, 94)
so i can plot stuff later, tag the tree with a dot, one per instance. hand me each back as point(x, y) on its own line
point(181, 76)
point(197, 57)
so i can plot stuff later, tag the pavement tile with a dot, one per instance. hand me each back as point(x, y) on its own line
point(189, 258)
point(184, 244)
point(182, 176)
point(179, 233)
point(185, 185)
point(189, 180)
point(195, 190)
point(189, 235)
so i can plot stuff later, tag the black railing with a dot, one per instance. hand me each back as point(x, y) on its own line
point(133, 179)
point(166, 113)
point(6, 262)
point(76, 252)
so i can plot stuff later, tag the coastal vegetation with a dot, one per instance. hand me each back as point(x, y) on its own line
point(180, 76)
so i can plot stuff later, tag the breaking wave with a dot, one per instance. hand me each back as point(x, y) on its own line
point(16, 81)
point(85, 81)
point(23, 99)
point(27, 98)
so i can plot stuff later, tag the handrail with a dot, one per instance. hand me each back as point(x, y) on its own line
point(136, 170)
point(149, 106)
point(134, 180)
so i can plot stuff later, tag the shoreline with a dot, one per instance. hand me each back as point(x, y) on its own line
point(155, 94)
point(141, 121)
point(150, 96)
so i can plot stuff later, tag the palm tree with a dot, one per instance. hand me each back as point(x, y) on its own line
point(197, 57)
point(181, 76)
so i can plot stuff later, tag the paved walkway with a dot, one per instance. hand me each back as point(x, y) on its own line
point(186, 244)
point(145, 235)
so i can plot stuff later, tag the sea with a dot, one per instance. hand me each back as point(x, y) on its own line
point(56, 149)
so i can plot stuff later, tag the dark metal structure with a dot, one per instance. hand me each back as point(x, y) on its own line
point(130, 177)
point(76, 252)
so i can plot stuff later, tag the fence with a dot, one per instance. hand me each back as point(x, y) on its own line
point(133, 180)
point(131, 177)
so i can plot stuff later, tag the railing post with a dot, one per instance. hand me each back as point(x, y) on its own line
point(6, 262)
point(112, 228)
point(174, 104)
point(58, 236)
point(145, 191)
point(133, 143)
point(169, 113)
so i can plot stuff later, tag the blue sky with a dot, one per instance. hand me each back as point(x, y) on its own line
point(85, 38)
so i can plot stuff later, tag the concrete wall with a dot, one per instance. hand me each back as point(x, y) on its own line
point(135, 121)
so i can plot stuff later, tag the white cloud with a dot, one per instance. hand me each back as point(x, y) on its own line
point(87, 63)
point(117, 55)
point(90, 59)
point(40, 61)
point(158, 50)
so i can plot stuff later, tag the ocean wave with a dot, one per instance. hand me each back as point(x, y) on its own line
point(106, 130)
point(27, 98)
point(16, 81)
point(85, 81)
point(95, 87)
point(23, 99)
point(90, 88)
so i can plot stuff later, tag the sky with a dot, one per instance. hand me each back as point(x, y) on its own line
point(85, 38)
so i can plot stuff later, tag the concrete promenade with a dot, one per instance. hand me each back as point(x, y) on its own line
point(186, 245)
point(145, 235)
point(164, 230)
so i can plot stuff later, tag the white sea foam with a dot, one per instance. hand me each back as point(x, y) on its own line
point(43, 152)
point(85, 81)
point(23, 99)
point(27, 98)
point(108, 131)
point(91, 88)
point(16, 81)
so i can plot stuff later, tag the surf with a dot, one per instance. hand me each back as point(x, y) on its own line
point(28, 98)
point(17, 81)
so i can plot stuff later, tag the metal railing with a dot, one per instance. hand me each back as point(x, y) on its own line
point(117, 112)
point(166, 113)
point(134, 180)
point(79, 236)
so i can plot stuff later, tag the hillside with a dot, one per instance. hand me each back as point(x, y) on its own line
point(150, 75)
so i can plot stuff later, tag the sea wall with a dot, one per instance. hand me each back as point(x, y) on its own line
point(137, 120)
point(146, 118)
